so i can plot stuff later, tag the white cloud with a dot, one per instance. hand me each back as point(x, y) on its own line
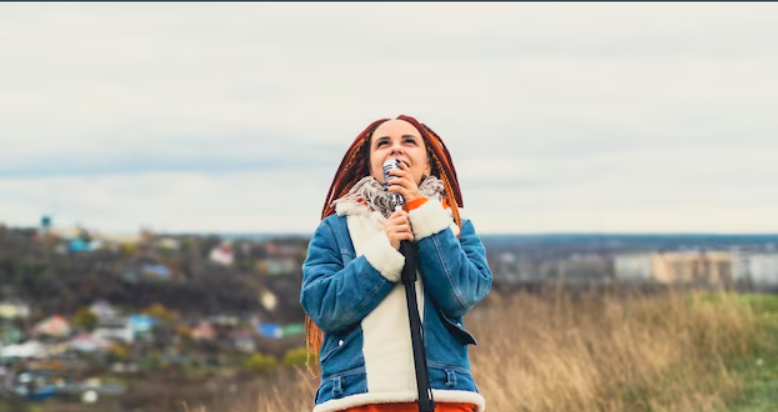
point(653, 115)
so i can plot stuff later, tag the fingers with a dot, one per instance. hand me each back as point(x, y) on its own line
point(402, 173)
point(395, 237)
point(398, 228)
point(407, 189)
point(402, 183)
point(399, 214)
point(399, 222)
point(400, 233)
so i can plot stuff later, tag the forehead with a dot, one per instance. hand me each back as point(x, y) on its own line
point(395, 128)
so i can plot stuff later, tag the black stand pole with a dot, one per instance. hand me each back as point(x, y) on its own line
point(426, 401)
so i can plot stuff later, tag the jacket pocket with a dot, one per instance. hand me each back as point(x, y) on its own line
point(329, 350)
point(452, 378)
point(457, 330)
point(348, 383)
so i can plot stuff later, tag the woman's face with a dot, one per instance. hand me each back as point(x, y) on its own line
point(398, 139)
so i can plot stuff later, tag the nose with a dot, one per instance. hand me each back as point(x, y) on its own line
point(396, 149)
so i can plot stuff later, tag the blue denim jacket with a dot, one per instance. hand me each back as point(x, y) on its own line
point(359, 363)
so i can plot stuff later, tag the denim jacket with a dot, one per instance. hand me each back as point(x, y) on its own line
point(352, 291)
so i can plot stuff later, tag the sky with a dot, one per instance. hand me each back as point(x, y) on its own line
point(560, 117)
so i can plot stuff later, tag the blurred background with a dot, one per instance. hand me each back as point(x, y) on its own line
point(163, 166)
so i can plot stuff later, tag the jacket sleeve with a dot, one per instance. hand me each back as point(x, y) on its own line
point(455, 271)
point(336, 297)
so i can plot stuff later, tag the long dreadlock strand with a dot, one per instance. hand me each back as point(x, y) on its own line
point(346, 175)
point(447, 155)
point(450, 194)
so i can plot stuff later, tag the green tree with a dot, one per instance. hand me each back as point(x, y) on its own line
point(85, 318)
point(161, 313)
point(259, 363)
point(295, 357)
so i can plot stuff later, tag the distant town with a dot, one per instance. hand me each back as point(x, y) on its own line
point(736, 262)
point(89, 318)
point(93, 318)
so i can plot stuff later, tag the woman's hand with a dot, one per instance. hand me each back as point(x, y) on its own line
point(403, 183)
point(398, 228)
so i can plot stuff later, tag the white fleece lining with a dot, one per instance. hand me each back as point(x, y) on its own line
point(386, 333)
point(387, 347)
point(428, 219)
point(351, 208)
point(385, 258)
point(408, 396)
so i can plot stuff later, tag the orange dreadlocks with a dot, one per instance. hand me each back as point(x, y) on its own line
point(355, 165)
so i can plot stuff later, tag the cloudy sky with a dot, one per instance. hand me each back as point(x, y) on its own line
point(561, 117)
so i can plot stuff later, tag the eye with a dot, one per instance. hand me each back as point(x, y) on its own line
point(411, 141)
point(381, 143)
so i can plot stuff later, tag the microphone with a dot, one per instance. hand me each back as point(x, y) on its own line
point(397, 200)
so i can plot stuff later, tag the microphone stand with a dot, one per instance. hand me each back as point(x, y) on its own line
point(426, 400)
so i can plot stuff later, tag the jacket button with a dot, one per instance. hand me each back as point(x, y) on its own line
point(340, 343)
point(459, 324)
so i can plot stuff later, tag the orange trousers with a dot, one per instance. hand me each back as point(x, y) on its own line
point(411, 407)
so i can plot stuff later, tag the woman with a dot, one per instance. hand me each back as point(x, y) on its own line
point(358, 326)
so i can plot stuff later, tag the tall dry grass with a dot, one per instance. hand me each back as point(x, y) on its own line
point(603, 353)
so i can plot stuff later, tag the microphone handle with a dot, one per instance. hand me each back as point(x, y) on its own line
point(398, 201)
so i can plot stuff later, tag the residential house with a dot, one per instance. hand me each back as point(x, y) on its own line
point(693, 267)
point(116, 329)
point(32, 349)
point(156, 271)
point(509, 268)
point(243, 340)
point(204, 331)
point(268, 300)
point(635, 267)
point(10, 334)
point(274, 266)
point(54, 326)
point(85, 342)
point(104, 311)
point(577, 268)
point(756, 270)
point(223, 254)
point(224, 321)
point(141, 325)
point(13, 309)
point(169, 244)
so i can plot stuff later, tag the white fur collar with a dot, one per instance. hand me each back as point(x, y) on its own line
point(354, 208)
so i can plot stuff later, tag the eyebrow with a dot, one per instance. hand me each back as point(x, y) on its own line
point(405, 136)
